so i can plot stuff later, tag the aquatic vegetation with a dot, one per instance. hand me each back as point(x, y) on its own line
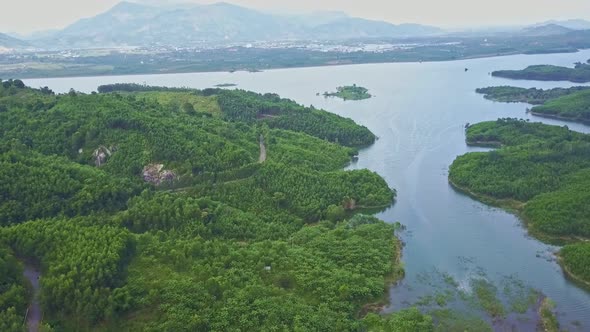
point(406, 320)
point(486, 295)
point(450, 320)
point(520, 297)
point(548, 319)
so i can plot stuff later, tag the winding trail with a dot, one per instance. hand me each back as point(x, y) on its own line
point(34, 313)
point(262, 157)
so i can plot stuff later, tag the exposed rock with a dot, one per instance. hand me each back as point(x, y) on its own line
point(100, 155)
point(156, 174)
point(349, 204)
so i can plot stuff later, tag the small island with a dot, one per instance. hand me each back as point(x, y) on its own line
point(350, 92)
point(225, 85)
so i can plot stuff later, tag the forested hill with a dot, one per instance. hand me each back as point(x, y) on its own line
point(579, 74)
point(562, 103)
point(151, 211)
point(575, 107)
point(250, 107)
point(534, 96)
point(539, 170)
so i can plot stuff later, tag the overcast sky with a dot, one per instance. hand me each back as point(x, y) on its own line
point(25, 16)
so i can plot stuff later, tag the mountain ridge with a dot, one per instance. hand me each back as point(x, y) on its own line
point(9, 42)
point(134, 24)
point(546, 30)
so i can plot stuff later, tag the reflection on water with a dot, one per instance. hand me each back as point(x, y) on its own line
point(419, 112)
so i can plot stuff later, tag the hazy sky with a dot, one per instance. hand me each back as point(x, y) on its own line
point(25, 16)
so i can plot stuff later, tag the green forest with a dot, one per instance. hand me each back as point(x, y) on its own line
point(562, 103)
point(149, 209)
point(575, 107)
point(534, 96)
point(580, 73)
point(540, 171)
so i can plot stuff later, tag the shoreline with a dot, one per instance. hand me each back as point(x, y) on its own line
point(559, 117)
point(538, 78)
point(416, 61)
point(509, 205)
point(516, 208)
point(390, 280)
point(570, 275)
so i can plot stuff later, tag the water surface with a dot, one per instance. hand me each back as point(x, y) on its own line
point(419, 112)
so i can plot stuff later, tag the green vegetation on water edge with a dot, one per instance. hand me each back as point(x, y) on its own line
point(350, 92)
point(575, 107)
point(534, 96)
point(579, 74)
point(576, 260)
point(146, 214)
point(563, 103)
point(548, 320)
point(545, 168)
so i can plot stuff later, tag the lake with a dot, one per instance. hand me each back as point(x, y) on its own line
point(419, 112)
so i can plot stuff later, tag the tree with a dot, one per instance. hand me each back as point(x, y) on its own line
point(188, 108)
point(335, 213)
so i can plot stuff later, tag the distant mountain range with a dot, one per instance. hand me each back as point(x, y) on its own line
point(570, 24)
point(184, 25)
point(8, 42)
point(132, 24)
point(546, 30)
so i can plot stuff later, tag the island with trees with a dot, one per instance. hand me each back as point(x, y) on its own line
point(350, 92)
point(540, 171)
point(580, 73)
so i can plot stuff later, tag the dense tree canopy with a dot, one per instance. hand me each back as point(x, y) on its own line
point(576, 258)
point(239, 105)
point(574, 107)
point(579, 74)
point(147, 214)
point(510, 94)
point(13, 292)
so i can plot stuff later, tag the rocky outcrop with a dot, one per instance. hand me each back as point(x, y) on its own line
point(101, 155)
point(156, 174)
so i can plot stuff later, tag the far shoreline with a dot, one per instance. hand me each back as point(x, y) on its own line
point(158, 73)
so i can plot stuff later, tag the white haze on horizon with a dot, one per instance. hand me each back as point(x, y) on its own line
point(20, 17)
